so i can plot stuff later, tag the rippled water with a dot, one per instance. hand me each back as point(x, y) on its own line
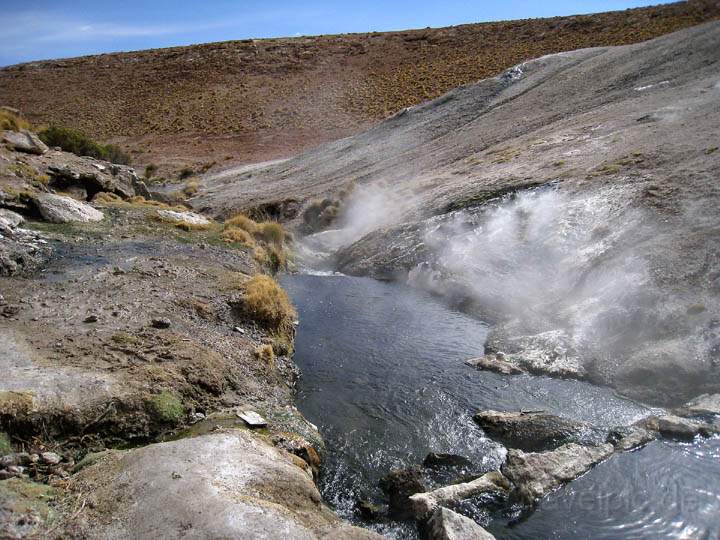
point(384, 379)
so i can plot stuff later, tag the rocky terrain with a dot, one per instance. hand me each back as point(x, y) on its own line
point(569, 201)
point(541, 199)
point(260, 99)
point(126, 323)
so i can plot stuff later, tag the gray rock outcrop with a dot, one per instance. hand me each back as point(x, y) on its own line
point(534, 475)
point(61, 209)
point(25, 141)
point(228, 484)
point(448, 525)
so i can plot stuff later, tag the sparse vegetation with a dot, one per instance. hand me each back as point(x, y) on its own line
point(272, 232)
point(239, 236)
point(191, 188)
point(267, 237)
point(77, 142)
point(150, 170)
point(167, 407)
point(185, 172)
point(241, 221)
point(5, 447)
point(123, 338)
point(266, 354)
point(266, 302)
point(12, 121)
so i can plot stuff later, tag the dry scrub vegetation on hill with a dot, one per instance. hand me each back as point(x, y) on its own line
point(253, 100)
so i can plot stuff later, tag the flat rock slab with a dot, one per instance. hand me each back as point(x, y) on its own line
point(24, 141)
point(227, 484)
point(26, 386)
point(252, 419)
point(530, 431)
point(535, 474)
point(61, 209)
point(191, 218)
point(625, 438)
point(448, 525)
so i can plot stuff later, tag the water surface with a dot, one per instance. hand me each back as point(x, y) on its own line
point(384, 379)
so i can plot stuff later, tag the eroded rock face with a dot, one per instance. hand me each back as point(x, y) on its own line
point(227, 484)
point(24, 141)
point(448, 525)
point(424, 504)
point(531, 431)
point(21, 250)
point(535, 474)
point(60, 209)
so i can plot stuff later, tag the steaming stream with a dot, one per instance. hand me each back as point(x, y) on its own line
point(384, 375)
point(384, 379)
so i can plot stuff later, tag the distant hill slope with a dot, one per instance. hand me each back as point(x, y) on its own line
point(253, 100)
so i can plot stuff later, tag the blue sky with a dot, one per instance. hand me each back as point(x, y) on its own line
point(56, 29)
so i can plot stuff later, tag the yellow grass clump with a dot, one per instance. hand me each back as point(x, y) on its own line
point(12, 121)
point(240, 236)
point(243, 222)
point(267, 302)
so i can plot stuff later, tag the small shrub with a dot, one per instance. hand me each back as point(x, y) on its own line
point(12, 121)
point(77, 142)
point(269, 304)
point(167, 407)
point(150, 170)
point(276, 258)
point(192, 188)
point(266, 354)
point(243, 222)
point(239, 236)
point(185, 172)
point(272, 232)
point(5, 447)
point(282, 345)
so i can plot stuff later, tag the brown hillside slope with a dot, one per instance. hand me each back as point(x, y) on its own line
point(253, 100)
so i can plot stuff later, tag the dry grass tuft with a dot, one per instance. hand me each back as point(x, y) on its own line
point(191, 189)
point(12, 121)
point(272, 232)
point(267, 302)
point(243, 222)
point(266, 354)
point(239, 236)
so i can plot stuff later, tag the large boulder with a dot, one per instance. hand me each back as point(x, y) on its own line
point(24, 141)
point(531, 431)
point(398, 486)
point(424, 504)
point(448, 525)
point(535, 474)
point(228, 484)
point(61, 209)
